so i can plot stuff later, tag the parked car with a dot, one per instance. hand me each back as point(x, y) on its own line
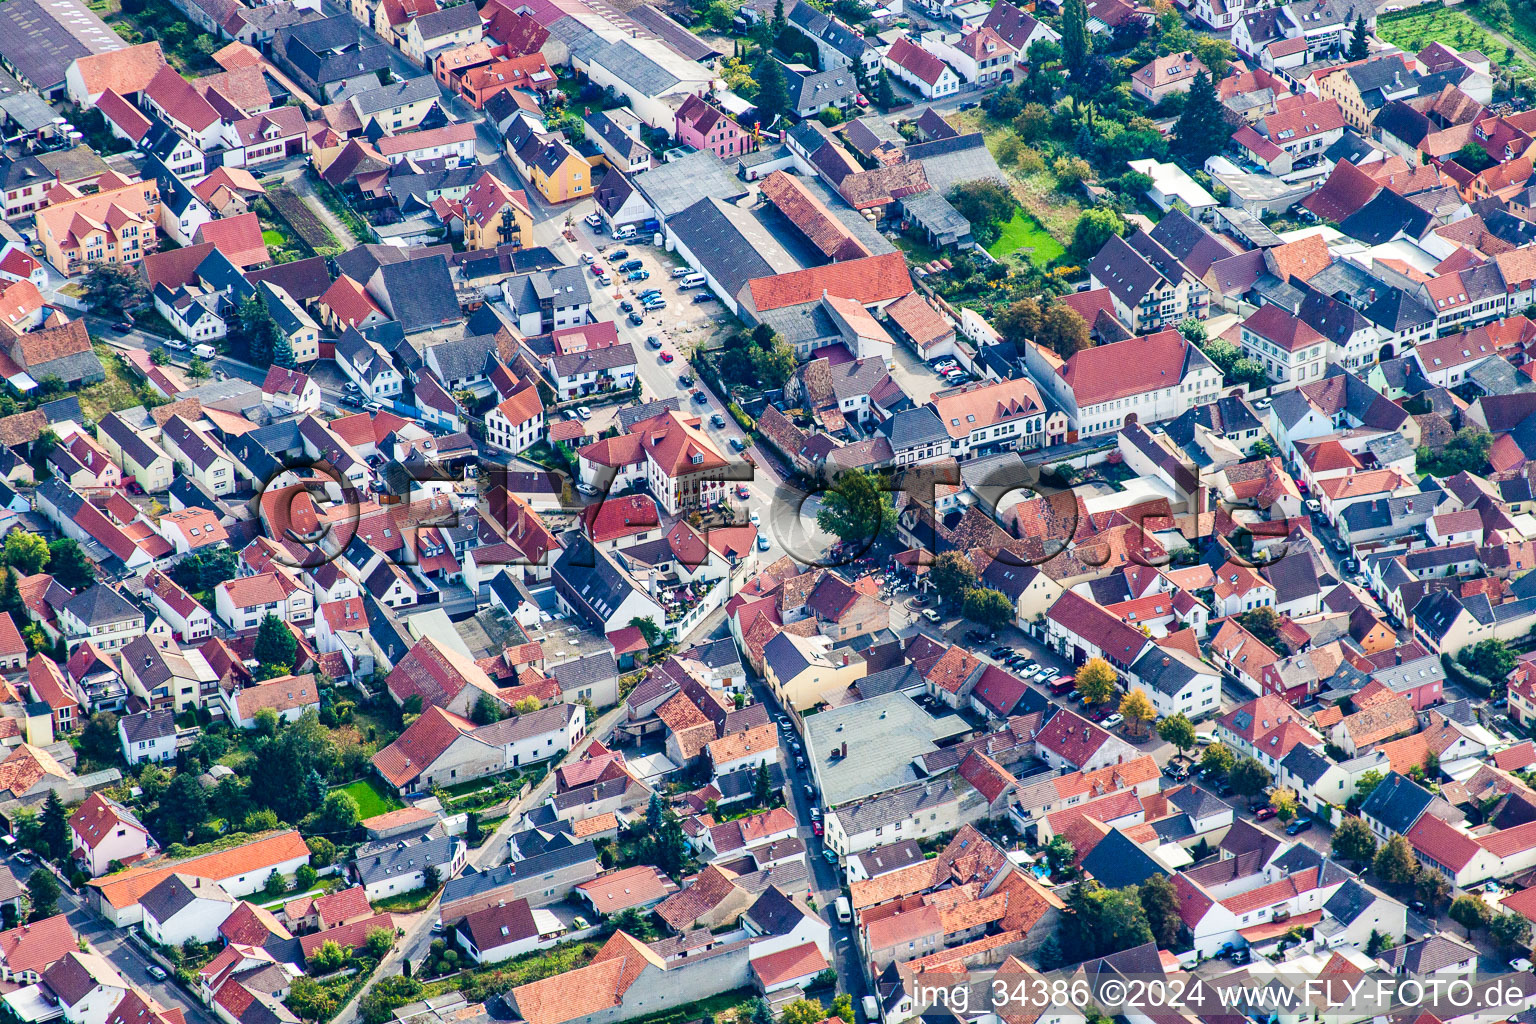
point(635, 319)
point(122, 327)
point(1239, 957)
point(156, 971)
point(587, 257)
point(653, 341)
point(717, 421)
point(627, 306)
point(701, 398)
point(1001, 651)
point(930, 615)
point(977, 636)
point(703, 297)
point(1175, 771)
point(647, 293)
point(1113, 721)
point(638, 275)
point(1520, 963)
point(655, 304)
point(743, 492)
point(762, 542)
point(620, 254)
point(685, 379)
point(584, 412)
point(681, 271)
point(1264, 813)
point(593, 220)
point(667, 357)
point(1298, 826)
point(598, 270)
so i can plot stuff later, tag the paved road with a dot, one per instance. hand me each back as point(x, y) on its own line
point(115, 946)
point(418, 935)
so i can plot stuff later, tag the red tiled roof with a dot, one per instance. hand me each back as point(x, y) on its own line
point(869, 280)
point(1123, 368)
point(238, 238)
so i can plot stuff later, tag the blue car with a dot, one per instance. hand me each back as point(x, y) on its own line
point(639, 275)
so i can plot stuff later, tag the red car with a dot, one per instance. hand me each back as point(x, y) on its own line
point(742, 491)
point(816, 828)
point(667, 357)
point(1264, 813)
point(597, 270)
point(1100, 712)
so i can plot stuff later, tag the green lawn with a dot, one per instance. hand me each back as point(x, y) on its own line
point(276, 238)
point(370, 799)
point(1027, 233)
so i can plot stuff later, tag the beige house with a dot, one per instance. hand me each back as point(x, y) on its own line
point(800, 670)
point(136, 455)
point(200, 456)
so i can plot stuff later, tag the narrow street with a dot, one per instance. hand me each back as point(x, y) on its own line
point(123, 953)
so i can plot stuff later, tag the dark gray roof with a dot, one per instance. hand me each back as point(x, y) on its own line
point(1349, 901)
point(912, 428)
point(446, 21)
point(728, 240)
point(893, 857)
point(100, 605)
point(774, 913)
point(148, 725)
point(673, 187)
point(403, 856)
point(821, 89)
point(1306, 764)
point(176, 892)
point(1116, 862)
point(37, 42)
point(474, 881)
point(420, 293)
point(595, 668)
point(595, 578)
point(1163, 672)
point(400, 92)
point(1397, 802)
point(1428, 955)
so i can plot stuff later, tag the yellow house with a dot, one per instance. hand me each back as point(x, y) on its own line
point(495, 215)
point(555, 168)
point(802, 671)
point(112, 226)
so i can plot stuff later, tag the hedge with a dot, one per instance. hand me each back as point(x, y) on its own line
point(1465, 676)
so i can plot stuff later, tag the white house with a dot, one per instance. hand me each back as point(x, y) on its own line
point(148, 736)
point(1177, 681)
point(184, 906)
point(103, 831)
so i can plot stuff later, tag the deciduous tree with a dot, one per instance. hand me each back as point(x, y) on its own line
point(69, 564)
point(1096, 681)
point(1160, 902)
point(952, 574)
point(856, 509)
point(1395, 863)
point(1248, 777)
point(1137, 710)
point(25, 552)
point(1470, 912)
point(1353, 841)
point(988, 607)
point(1178, 730)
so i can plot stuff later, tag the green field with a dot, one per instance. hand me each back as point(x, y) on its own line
point(370, 798)
point(275, 238)
point(1025, 232)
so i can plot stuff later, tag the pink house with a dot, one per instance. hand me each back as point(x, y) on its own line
point(703, 127)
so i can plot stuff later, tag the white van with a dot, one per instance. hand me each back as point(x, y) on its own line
point(693, 281)
point(871, 1009)
point(204, 351)
point(625, 233)
point(844, 910)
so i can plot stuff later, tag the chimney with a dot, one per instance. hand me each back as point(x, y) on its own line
point(1399, 656)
